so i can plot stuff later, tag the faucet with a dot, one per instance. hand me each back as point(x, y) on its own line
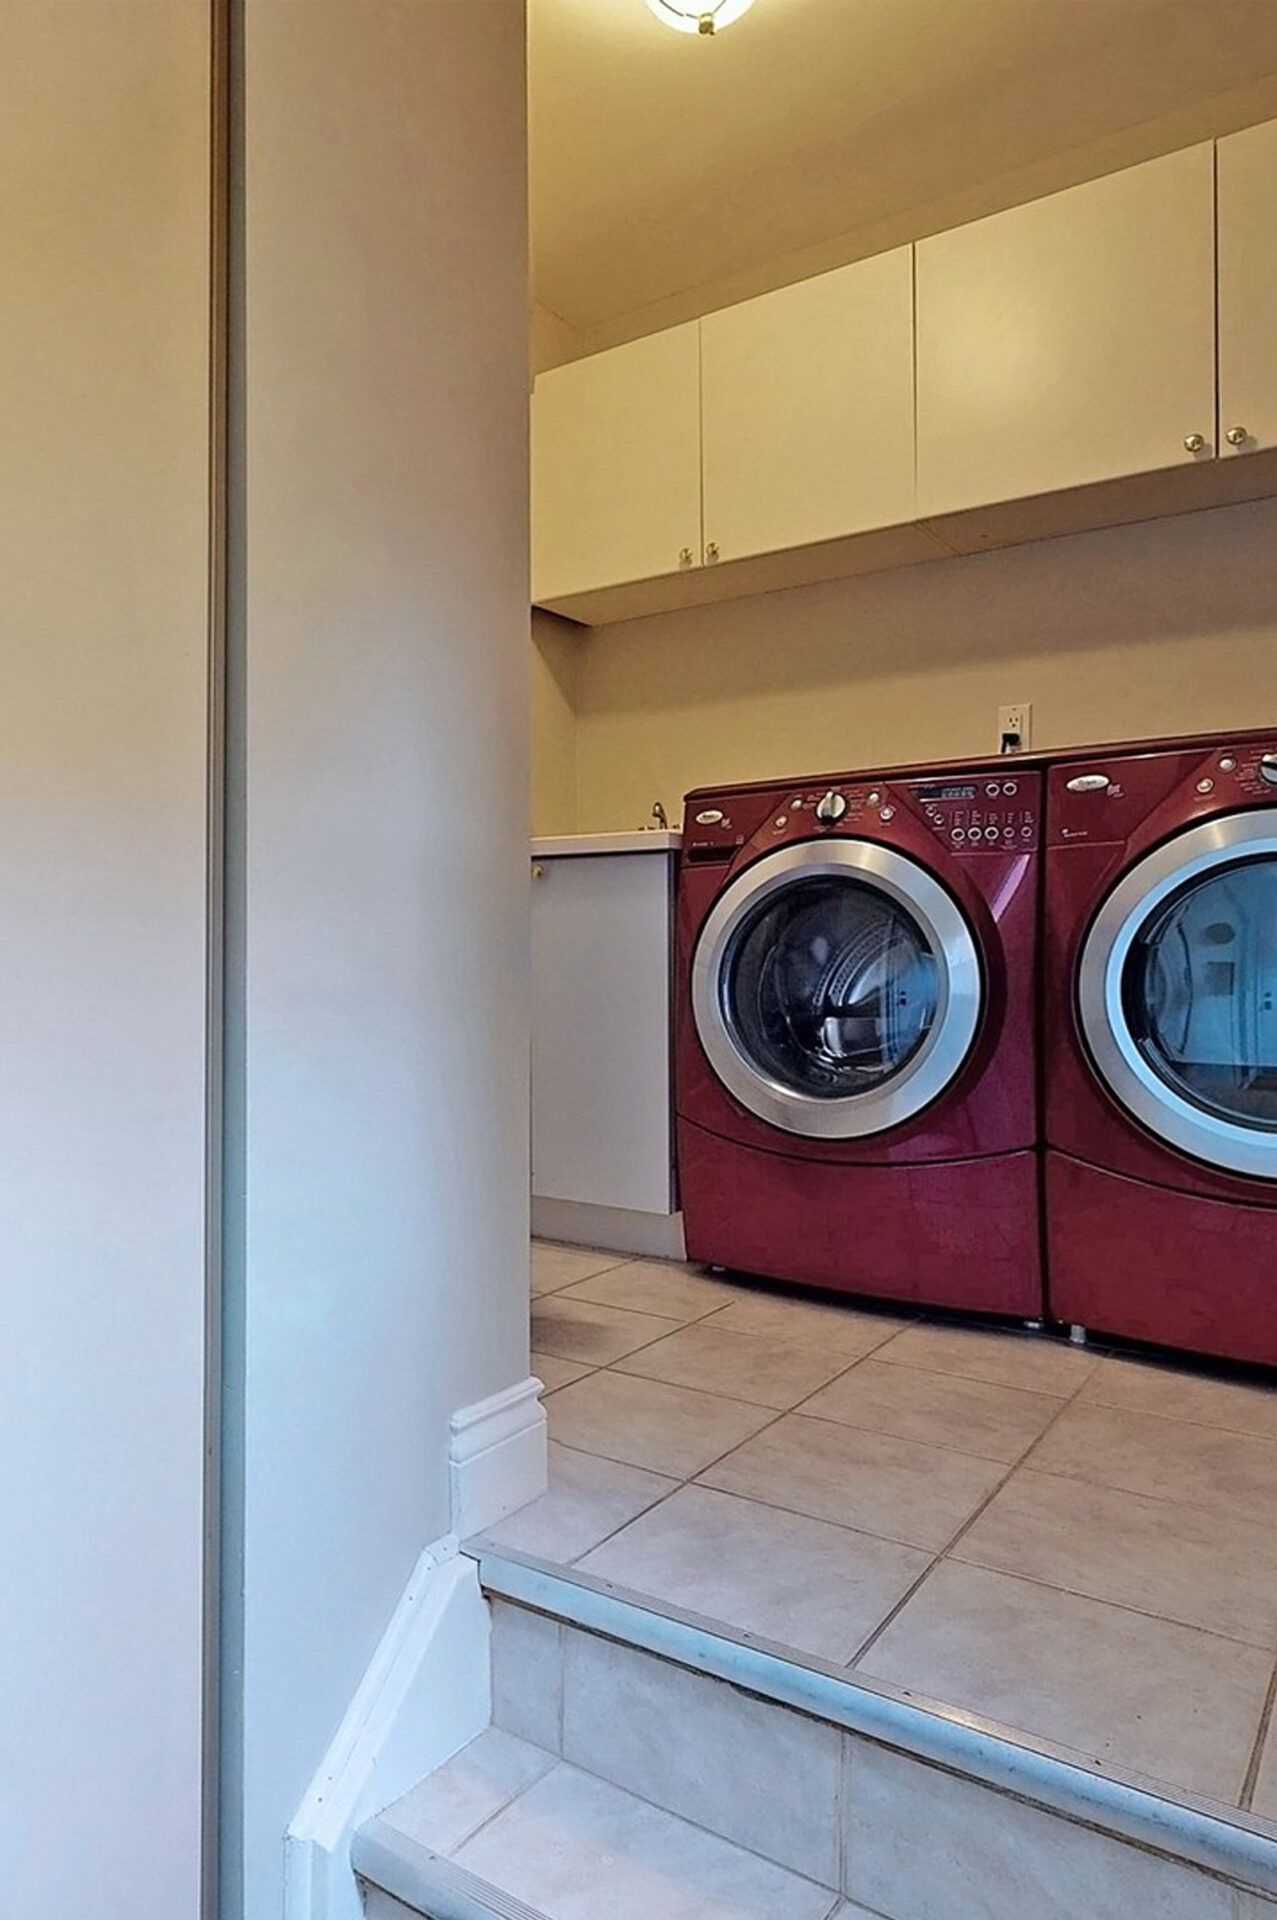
point(658, 814)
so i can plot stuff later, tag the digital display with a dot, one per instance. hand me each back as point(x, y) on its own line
point(933, 794)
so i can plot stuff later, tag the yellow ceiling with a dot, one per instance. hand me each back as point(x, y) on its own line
point(671, 173)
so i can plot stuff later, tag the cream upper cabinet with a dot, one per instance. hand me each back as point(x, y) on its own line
point(616, 465)
point(807, 410)
point(1071, 340)
point(1247, 214)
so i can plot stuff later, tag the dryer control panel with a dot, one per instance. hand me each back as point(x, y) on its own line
point(976, 813)
point(1110, 799)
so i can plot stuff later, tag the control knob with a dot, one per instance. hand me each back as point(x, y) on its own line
point(831, 807)
point(1268, 768)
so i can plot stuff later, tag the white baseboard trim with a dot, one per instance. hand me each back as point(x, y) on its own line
point(426, 1693)
point(658, 1236)
point(497, 1458)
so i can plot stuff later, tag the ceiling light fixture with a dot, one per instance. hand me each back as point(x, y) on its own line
point(710, 16)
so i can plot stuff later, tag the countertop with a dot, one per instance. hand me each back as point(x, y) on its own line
point(643, 841)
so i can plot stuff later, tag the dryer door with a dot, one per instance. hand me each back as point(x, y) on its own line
point(1177, 992)
point(836, 988)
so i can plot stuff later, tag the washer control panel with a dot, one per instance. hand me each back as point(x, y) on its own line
point(978, 813)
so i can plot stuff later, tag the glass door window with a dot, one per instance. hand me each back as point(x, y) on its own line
point(1200, 993)
point(1177, 992)
point(830, 986)
point(837, 988)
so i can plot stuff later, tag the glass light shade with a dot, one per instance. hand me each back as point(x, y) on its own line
point(710, 16)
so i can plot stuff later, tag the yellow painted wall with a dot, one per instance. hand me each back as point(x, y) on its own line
point(1159, 628)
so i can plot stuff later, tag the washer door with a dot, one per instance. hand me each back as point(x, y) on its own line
point(836, 988)
point(1177, 992)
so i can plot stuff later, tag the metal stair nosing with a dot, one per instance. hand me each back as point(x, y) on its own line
point(427, 1882)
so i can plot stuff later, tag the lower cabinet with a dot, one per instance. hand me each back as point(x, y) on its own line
point(602, 1138)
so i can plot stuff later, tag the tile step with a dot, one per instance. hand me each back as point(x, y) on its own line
point(816, 1768)
point(508, 1831)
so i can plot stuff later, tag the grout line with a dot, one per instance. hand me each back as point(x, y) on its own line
point(947, 1549)
point(1183, 1420)
point(1198, 1504)
point(1267, 1724)
point(554, 1760)
point(1100, 1600)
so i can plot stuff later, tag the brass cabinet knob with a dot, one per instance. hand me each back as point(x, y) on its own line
point(1237, 436)
point(1194, 442)
point(711, 552)
point(685, 556)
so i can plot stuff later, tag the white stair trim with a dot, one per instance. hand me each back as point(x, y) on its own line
point(1225, 1841)
point(427, 1693)
point(497, 1457)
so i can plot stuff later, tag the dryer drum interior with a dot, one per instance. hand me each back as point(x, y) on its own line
point(836, 988)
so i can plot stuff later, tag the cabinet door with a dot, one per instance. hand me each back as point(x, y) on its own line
point(616, 465)
point(1071, 340)
point(601, 1031)
point(807, 410)
point(1248, 288)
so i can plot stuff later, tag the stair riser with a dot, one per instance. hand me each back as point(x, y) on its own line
point(906, 1838)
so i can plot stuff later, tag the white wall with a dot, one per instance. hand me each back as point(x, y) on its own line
point(104, 185)
point(380, 641)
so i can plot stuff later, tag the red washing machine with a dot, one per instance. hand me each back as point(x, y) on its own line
point(1160, 1045)
point(855, 1034)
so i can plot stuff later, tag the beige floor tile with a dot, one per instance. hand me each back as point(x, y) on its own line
point(1206, 1566)
point(1183, 1395)
point(555, 1266)
point(1170, 1459)
point(749, 1770)
point(649, 1424)
point(453, 1802)
point(820, 1588)
point(575, 1848)
point(1126, 1690)
point(935, 1846)
point(580, 1330)
point(942, 1409)
point(1005, 1358)
point(744, 1366)
point(657, 1286)
point(1265, 1799)
point(898, 1489)
point(588, 1499)
point(839, 1328)
point(554, 1373)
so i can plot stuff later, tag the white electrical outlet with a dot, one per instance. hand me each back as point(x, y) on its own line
point(1015, 726)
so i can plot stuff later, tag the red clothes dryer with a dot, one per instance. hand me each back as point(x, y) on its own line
point(855, 1034)
point(1160, 1045)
